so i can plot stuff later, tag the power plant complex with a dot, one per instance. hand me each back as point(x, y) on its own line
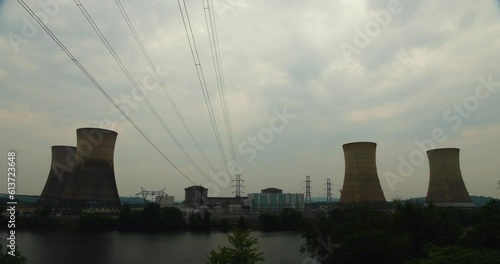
point(82, 178)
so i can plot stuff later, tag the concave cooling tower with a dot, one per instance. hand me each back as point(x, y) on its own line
point(94, 183)
point(361, 183)
point(446, 185)
point(61, 171)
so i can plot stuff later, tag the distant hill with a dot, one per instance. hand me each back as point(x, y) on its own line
point(322, 199)
point(479, 201)
point(32, 199)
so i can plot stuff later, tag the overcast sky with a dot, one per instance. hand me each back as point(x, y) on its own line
point(395, 73)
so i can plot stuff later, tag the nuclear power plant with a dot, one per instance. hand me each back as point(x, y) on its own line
point(59, 175)
point(82, 179)
point(446, 185)
point(89, 181)
point(361, 182)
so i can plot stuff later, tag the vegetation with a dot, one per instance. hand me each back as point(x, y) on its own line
point(152, 218)
point(288, 219)
point(457, 255)
point(6, 258)
point(410, 233)
point(244, 250)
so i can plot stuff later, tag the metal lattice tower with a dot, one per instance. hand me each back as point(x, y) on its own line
point(145, 193)
point(238, 186)
point(498, 188)
point(328, 191)
point(308, 199)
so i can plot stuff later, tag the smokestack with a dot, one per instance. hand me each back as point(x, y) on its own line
point(61, 171)
point(361, 183)
point(446, 185)
point(93, 184)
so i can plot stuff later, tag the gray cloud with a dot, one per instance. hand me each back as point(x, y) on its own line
point(275, 54)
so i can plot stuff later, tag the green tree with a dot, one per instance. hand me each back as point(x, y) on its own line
point(485, 231)
point(97, 221)
point(291, 219)
point(242, 223)
point(269, 222)
point(244, 250)
point(172, 218)
point(457, 255)
point(6, 258)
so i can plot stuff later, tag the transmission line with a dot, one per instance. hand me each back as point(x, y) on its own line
point(201, 78)
point(134, 83)
point(215, 52)
point(98, 86)
point(160, 80)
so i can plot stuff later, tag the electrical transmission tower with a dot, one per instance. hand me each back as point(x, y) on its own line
point(145, 193)
point(498, 188)
point(238, 187)
point(328, 191)
point(308, 190)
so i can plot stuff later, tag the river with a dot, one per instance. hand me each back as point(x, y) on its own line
point(75, 247)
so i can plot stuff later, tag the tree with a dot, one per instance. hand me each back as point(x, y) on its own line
point(457, 255)
point(244, 250)
point(269, 222)
point(6, 258)
point(485, 232)
point(291, 219)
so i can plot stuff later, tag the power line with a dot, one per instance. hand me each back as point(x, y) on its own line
point(160, 80)
point(89, 76)
point(201, 78)
point(219, 74)
point(134, 83)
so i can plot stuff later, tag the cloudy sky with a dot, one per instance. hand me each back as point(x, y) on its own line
point(395, 73)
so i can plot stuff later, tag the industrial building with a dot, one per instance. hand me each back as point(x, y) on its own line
point(197, 196)
point(361, 182)
point(165, 201)
point(446, 185)
point(61, 170)
point(90, 184)
point(275, 199)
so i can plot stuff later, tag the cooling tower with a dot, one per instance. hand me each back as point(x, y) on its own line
point(446, 185)
point(61, 171)
point(361, 183)
point(93, 184)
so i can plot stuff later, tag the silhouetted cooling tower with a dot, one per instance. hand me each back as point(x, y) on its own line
point(61, 171)
point(446, 185)
point(361, 183)
point(93, 184)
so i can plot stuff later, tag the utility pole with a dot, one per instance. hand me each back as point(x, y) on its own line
point(145, 193)
point(498, 188)
point(238, 188)
point(308, 190)
point(328, 191)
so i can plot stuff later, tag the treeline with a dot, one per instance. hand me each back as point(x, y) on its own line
point(410, 233)
point(154, 218)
